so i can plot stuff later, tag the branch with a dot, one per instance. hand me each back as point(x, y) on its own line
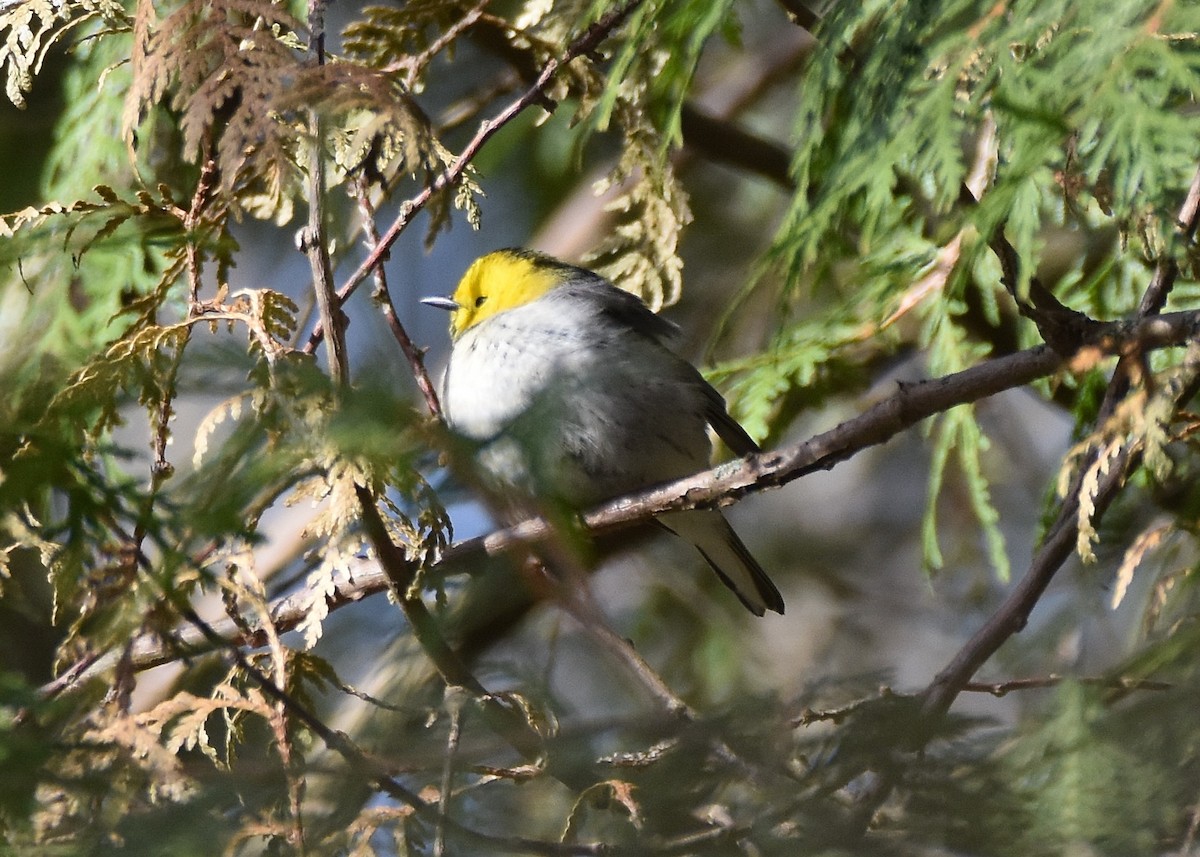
point(313, 241)
point(722, 140)
point(1013, 613)
point(383, 297)
point(1059, 543)
point(1003, 688)
point(1061, 327)
point(909, 405)
point(808, 716)
point(535, 94)
point(801, 14)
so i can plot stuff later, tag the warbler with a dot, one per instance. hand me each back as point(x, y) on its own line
point(568, 386)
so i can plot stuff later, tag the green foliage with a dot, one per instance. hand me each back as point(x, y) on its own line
point(660, 55)
point(180, 474)
point(1083, 769)
point(894, 95)
point(31, 29)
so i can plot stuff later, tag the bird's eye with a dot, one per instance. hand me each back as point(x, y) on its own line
point(480, 301)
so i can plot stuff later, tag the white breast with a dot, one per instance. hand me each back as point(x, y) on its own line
point(498, 369)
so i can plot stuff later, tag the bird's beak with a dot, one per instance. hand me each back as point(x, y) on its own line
point(441, 303)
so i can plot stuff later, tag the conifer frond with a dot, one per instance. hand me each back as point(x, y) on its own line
point(392, 36)
point(642, 251)
point(228, 410)
point(380, 128)
point(151, 212)
point(30, 28)
point(869, 117)
point(333, 531)
point(223, 65)
point(120, 367)
point(182, 722)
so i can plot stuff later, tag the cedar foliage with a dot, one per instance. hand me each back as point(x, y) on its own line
point(936, 152)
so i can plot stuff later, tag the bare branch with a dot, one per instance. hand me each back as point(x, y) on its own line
point(314, 241)
point(1003, 688)
point(383, 297)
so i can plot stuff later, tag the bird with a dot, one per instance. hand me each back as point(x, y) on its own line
point(568, 387)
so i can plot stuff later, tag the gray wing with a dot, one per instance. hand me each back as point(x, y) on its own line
point(627, 311)
point(726, 427)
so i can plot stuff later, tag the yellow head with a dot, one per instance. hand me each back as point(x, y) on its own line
point(500, 281)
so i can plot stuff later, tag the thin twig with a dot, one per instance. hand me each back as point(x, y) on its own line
point(383, 297)
point(1003, 688)
point(1013, 613)
point(371, 770)
point(191, 222)
point(314, 241)
point(810, 716)
point(401, 572)
point(335, 741)
point(412, 65)
point(1189, 838)
point(574, 596)
point(454, 704)
point(998, 688)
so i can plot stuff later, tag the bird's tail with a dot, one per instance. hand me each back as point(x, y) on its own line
point(708, 530)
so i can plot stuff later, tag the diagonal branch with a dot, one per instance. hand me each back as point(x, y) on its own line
point(1013, 613)
point(1060, 540)
point(909, 405)
point(314, 240)
point(401, 573)
point(383, 297)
